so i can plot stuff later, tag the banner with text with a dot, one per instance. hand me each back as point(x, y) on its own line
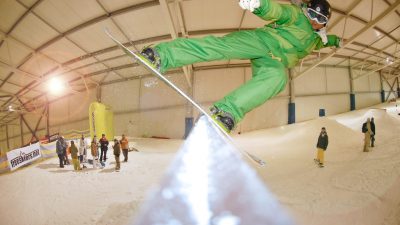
point(22, 156)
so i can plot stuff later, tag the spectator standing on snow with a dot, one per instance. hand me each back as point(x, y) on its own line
point(373, 132)
point(61, 147)
point(117, 152)
point(103, 147)
point(82, 149)
point(366, 129)
point(95, 152)
point(67, 152)
point(322, 145)
point(125, 146)
point(74, 156)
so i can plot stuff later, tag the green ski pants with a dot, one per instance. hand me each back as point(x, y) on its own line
point(269, 77)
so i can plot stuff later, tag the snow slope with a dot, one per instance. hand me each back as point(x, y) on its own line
point(354, 187)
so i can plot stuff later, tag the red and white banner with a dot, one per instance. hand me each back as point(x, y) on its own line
point(22, 156)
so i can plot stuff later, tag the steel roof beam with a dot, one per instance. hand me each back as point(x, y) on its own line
point(83, 25)
point(346, 15)
point(174, 34)
point(98, 19)
point(20, 18)
point(366, 22)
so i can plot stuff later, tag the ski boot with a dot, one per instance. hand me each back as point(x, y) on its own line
point(224, 119)
point(151, 57)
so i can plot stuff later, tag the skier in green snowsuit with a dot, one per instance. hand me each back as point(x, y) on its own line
point(295, 31)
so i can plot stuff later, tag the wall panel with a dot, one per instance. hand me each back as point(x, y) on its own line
point(308, 107)
point(375, 82)
point(362, 84)
point(163, 123)
point(58, 112)
point(155, 94)
point(271, 114)
point(123, 96)
point(78, 105)
point(313, 82)
point(337, 80)
point(128, 124)
point(364, 100)
point(213, 85)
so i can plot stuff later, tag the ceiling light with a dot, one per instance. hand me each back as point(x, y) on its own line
point(389, 61)
point(56, 86)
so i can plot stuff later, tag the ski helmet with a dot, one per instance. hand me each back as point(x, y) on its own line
point(319, 10)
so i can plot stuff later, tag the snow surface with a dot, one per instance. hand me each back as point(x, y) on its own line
point(354, 187)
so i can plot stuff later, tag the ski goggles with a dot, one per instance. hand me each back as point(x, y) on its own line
point(317, 16)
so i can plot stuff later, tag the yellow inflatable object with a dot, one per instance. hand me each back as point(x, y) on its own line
point(101, 120)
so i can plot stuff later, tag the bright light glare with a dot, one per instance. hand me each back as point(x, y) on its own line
point(56, 86)
point(389, 61)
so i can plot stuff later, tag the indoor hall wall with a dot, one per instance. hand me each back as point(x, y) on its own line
point(367, 90)
point(13, 132)
point(212, 85)
point(322, 88)
point(3, 141)
point(14, 140)
point(147, 107)
point(71, 113)
point(386, 88)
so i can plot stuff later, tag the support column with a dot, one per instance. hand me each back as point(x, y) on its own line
point(7, 138)
point(352, 95)
point(98, 93)
point(22, 130)
point(48, 122)
point(382, 89)
point(189, 121)
point(292, 104)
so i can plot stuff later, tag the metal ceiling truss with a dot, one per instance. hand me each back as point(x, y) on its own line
point(81, 26)
point(174, 33)
point(378, 53)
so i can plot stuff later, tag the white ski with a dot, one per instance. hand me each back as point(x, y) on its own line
point(173, 86)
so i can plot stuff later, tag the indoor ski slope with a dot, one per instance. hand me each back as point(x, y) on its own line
point(354, 187)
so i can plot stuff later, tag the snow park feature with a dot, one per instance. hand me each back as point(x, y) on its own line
point(354, 187)
point(101, 120)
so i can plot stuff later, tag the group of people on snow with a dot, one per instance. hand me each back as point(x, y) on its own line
point(368, 128)
point(79, 153)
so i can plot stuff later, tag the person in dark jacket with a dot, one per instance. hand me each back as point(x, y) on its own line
point(103, 147)
point(373, 132)
point(322, 145)
point(117, 152)
point(366, 129)
point(61, 149)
